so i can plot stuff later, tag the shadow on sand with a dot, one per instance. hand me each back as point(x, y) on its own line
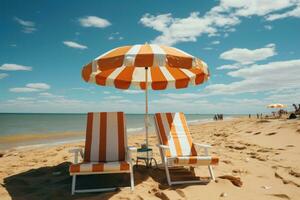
point(54, 182)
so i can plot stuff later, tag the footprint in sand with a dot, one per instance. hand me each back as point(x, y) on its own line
point(236, 147)
point(161, 195)
point(272, 133)
point(286, 181)
point(180, 192)
point(290, 145)
point(293, 173)
point(226, 161)
point(282, 196)
point(234, 180)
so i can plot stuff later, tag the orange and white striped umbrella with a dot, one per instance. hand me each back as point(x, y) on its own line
point(124, 68)
point(147, 66)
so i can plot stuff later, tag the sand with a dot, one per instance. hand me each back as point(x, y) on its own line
point(262, 158)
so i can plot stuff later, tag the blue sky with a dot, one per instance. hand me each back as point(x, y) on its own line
point(251, 48)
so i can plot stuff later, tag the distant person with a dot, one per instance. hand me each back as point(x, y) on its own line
point(261, 115)
point(257, 116)
point(249, 116)
point(215, 118)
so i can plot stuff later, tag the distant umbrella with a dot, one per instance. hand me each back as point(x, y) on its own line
point(277, 105)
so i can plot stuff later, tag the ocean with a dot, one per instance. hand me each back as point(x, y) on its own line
point(23, 129)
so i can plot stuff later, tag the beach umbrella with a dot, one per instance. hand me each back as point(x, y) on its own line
point(145, 67)
point(276, 105)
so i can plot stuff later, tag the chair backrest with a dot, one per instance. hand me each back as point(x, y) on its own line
point(105, 137)
point(172, 131)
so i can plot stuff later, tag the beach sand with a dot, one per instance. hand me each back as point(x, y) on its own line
point(262, 158)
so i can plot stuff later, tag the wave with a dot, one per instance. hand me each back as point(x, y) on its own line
point(130, 130)
point(199, 121)
point(46, 144)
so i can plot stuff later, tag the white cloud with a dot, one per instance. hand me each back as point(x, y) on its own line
point(39, 86)
point(254, 7)
point(268, 27)
point(248, 56)
point(286, 96)
point(74, 45)
point(234, 66)
point(176, 30)
point(220, 19)
point(186, 96)
point(28, 26)
point(24, 89)
point(113, 97)
point(208, 48)
point(46, 94)
point(14, 67)
point(94, 21)
point(25, 98)
point(31, 87)
point(133, 91)
point(115, 36)
point(291, 13)
point(215, 42)
point(45, 102)
point(3, 75)
point(258, 78)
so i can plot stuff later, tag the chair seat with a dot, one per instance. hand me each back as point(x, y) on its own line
point(195, 160)
point(99, 167)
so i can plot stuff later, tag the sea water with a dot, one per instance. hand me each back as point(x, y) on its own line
point(34, 128)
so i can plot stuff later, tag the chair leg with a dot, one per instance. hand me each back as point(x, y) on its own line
point(131, 178)
point(211, 172)
point(73, 184)
point(167, 173)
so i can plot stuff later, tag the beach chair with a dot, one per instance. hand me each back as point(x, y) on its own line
point(106, 149)
point(177, 147)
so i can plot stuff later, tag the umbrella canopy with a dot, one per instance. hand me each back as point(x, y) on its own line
point(124, 68)
point(147, 66)
point(276, 105)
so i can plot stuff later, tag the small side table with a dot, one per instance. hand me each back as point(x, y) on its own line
point(145, 154)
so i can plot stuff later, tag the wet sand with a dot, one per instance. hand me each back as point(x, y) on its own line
point(258, 160)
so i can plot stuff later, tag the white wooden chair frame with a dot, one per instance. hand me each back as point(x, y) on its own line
point(129, 159)
point(168, 161)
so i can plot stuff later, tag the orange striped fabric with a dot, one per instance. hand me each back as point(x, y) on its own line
point(105, 137)
point(99, 167)
point(124, 68)
point(172, 130)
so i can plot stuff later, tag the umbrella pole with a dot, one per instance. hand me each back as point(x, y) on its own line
point(146, 110)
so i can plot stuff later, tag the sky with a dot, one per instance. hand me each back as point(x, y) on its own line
point(251, 48)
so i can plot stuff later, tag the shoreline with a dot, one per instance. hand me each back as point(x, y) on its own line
point(34, 140)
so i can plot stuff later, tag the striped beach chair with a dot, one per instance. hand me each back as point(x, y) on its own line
point(105, 150)
point(177, 147)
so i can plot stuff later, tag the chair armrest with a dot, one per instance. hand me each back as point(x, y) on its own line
point(131, 148)
point(164, 147)
point(76, 151)
point(205, 146)
point(202, 145)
